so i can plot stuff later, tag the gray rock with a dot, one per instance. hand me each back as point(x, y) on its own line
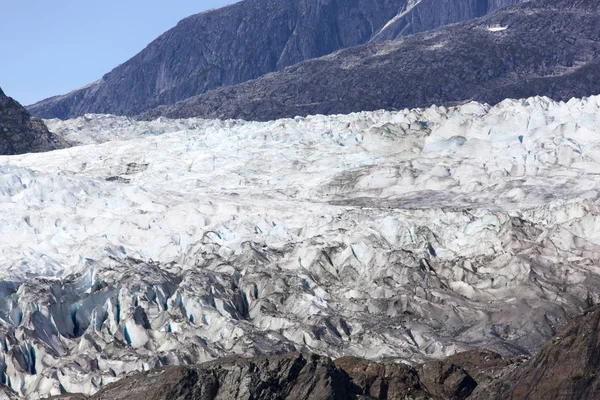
point(549, 47)
point(241, 42)
point(392, 381)
point(20, 132)
point(447, 380)
point(566, 367)
point(309, 376)
point(290, 376)
point(425, 15)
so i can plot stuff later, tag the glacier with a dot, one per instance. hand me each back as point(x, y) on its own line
point(406, 236)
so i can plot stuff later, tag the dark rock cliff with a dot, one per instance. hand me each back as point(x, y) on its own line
point(244, 41)
point(22, 133)
point(565, 368)
point(541, 47)
point(290, 376)
point(425, 15)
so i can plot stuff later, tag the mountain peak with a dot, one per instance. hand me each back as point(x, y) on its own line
point(448, 66)
point(245, 41)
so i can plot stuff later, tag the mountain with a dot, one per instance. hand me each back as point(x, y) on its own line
point(425, 15)
point(540, 47)
point(20, 132)
point(386, 236)
point(247, 40)
point(291, 376)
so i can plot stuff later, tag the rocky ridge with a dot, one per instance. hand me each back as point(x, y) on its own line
point(247, 40)
point(299, 376)
point(426, 15)
point(565, 367)
point(539, 47)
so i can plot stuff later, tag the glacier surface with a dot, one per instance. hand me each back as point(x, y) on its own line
point(404, 235)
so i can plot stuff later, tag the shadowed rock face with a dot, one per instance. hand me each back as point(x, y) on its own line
point(247, 40)
point(448, 379)
point(308, 376)
point(566, 367)
point(291, 376)
point(542, 47)
point(20, 132)
point(425, 15)
point(224, 47)
point(382, 381)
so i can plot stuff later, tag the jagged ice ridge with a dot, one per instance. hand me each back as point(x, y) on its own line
point(400, 235)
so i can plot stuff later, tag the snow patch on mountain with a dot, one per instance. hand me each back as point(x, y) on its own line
point(497, 28)
point(406, 235)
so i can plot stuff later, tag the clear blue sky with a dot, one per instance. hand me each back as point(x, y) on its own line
point(50, 47)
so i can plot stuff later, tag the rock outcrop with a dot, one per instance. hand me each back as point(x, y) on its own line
point(247, 40)
point(298, 376)
point(425, 15)
point(382, 381)
point(21, 133)
point(540, 47)
point(291, 376)
point(566, 368)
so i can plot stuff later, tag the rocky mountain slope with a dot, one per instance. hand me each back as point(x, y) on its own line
point(378, 235)
point(22, 133)
point(564, 369)
point(566, 366)
point(245, 41)
point(425, 15)
point(541, 47)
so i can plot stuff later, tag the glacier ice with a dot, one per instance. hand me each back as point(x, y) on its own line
point(403, 235)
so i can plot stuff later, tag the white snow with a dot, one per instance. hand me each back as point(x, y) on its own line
point(410, 5)
point(497, 28)
point(184, 240)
